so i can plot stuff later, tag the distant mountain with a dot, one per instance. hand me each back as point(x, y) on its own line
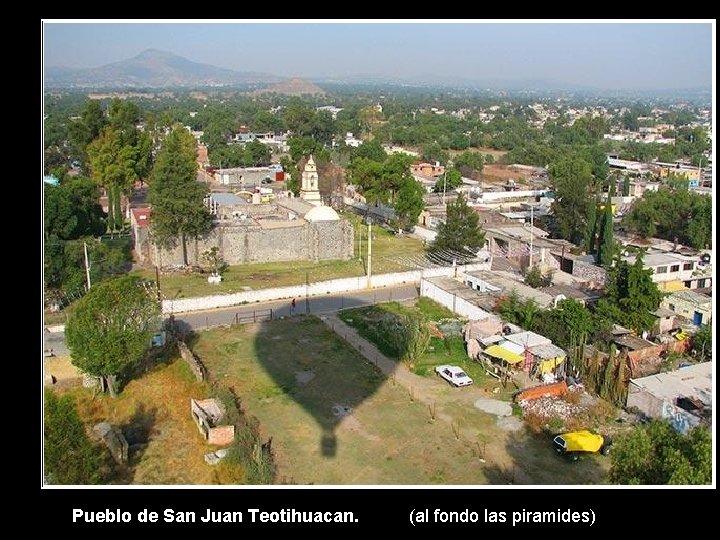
point(152, 69)
point(293, 87)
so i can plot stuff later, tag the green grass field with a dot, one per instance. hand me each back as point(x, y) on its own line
point(334, 419)
point(448, 350)
point(387, 439)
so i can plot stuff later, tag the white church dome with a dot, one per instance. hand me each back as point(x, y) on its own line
point(322, 213)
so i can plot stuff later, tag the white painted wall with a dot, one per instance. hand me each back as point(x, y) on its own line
point(452, 302)
point(313, 289)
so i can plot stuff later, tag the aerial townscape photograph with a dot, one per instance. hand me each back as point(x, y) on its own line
point(377, 253)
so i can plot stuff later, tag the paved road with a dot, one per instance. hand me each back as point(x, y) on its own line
point(261, 311)
point(281, 308)
point(56, 342)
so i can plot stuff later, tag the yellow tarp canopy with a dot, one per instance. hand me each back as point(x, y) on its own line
point(496, 351)
point(547, 366)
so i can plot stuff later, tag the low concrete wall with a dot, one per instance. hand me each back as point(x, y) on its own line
point(452, 302)
point(425, 234)
point(195, 364)
point(313, 289)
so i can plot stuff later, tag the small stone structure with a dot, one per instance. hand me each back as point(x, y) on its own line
point(213, 458)
point(197, 367)
point(208, 413)
point(113, 439)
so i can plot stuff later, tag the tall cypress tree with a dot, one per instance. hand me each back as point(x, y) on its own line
point(591, 214)
point(606, 243)
point(461, 230)
point(175, 194)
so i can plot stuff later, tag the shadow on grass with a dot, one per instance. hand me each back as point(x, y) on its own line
point(313, 366)
point(138, 431)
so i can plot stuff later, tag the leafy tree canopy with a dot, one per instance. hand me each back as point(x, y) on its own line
point(656, 454)
point(110, 328)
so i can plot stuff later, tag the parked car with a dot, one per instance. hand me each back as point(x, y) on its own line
point(575, 443)
point(454, 375)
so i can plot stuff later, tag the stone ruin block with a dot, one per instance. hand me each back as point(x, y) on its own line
point(113, 439)
point(221, 435)
point(208, 413)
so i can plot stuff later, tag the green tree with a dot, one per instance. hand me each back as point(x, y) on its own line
point(576, 319)
point(656, 454)
point(527, 314)
point(175, 194)
point(434, 152)
point(408, 204)
point(510, 306)
point(626, 186)
point(83, 131)
point(395, 175)
point(71, 209)
point(265, 121)
point(367, 175)
point(113, 163)
point(370, 150)
point(123, 114)
point(257, 154)
point(70, 457)
point(292, 174)
point(571, 178)
point(213, 257)
point(591, 217)
point(606, 242)
point(632, 294)
point(299, 118)
point(470, 163)
point(452, 179)
point(701, 343)
point(406, 335)
point(301, 147)
point(535, 278)
point(461, 231)
point(323, 127)
point(673, 214)
point(110, 328)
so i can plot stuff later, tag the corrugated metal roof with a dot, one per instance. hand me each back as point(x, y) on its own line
point(691, 381)
point(528, 339)
point(547, 351)
point(691, 296)
point(227, 199)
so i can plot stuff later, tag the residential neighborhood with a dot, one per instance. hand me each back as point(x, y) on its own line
point(252, 279)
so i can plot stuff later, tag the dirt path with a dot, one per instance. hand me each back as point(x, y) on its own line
point(423, 389)
point(429, 391)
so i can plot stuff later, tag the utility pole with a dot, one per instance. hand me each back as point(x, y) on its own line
point(87, 265)
point(157, 284)
point(307, 291)
point(532, 215)
point(369, 261)
point(444, 186)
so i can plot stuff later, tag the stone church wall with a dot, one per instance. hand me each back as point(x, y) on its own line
point(322, 240)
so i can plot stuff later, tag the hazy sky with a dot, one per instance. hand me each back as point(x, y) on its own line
point(633, 55)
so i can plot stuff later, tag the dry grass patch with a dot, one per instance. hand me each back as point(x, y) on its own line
point(154, 413)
